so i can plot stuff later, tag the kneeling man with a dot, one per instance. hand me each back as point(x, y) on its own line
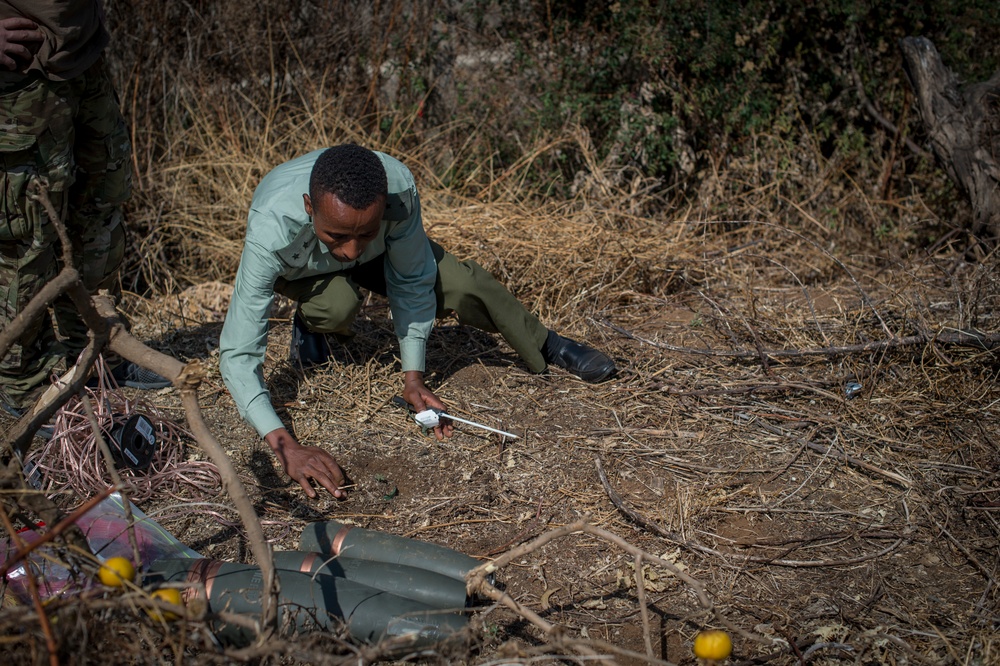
point(321, 228)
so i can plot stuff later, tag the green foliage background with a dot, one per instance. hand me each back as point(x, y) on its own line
point(723, 72)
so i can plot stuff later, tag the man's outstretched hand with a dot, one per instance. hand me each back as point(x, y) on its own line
point(19, 41)
point(420, 398)
point(307, 463)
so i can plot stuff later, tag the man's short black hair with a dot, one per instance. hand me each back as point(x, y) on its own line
point(353, 174)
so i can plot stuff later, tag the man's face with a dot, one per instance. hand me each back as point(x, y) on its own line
point(344, 230)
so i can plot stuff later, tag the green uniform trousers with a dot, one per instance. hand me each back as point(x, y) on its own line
point(71, 137)
point(329, 303)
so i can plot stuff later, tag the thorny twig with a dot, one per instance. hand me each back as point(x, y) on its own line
point(640, 593)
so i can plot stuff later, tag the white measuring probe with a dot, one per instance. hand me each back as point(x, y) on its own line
point(431, 418)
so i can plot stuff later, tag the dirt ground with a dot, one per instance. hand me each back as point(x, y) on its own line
point(823, 527)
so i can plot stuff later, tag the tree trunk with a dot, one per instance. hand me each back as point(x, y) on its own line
point(964, 128)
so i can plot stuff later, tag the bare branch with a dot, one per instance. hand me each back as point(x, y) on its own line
point(99, 314)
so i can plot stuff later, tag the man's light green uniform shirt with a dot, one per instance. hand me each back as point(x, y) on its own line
point(281, 242)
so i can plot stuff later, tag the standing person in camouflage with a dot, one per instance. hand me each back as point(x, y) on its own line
point(60, 126)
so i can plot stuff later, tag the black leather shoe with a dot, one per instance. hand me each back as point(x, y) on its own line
point(585, 362)
point(308, 348)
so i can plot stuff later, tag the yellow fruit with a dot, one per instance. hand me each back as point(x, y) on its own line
point(715, 645)
point(171, 595)
point(115, 571)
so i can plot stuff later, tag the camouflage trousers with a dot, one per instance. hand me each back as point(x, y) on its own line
point(69, 136)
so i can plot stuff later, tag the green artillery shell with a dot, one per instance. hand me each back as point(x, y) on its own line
point(310, 602)
point(332, 538)
point(420, 585)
